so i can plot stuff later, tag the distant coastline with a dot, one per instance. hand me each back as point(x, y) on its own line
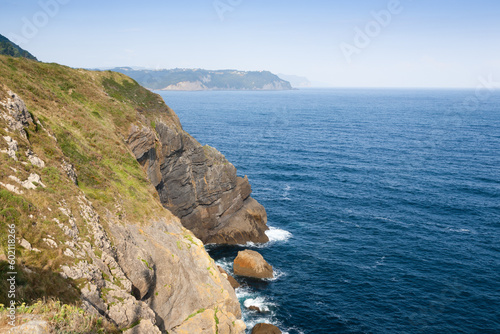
point(205, 80)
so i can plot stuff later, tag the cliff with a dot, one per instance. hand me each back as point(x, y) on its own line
point(199, 79)
point(81, 155)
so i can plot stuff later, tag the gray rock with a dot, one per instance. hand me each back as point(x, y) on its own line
point(145, 327)
point(35, 161)
point(24, 243)
point(69, 169)
point(130, 311)
point(168, 268)
point(12, 147)
point(32, 327)
point(199, 185)
point(17, 116)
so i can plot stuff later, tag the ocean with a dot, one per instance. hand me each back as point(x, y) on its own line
point(384, 205)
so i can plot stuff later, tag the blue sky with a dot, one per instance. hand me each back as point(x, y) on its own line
point(422, 43)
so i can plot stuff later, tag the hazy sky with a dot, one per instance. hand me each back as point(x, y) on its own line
point(421, 43)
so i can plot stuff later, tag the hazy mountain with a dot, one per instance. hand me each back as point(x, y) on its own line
point(199, 79)
point(8, 48)
point(296, 81)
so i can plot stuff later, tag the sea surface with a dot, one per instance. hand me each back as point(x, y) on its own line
point(384, 205)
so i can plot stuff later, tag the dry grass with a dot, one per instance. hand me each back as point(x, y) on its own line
point(89, 113)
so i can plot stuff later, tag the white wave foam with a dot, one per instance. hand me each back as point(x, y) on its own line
point(249, 297)
point(261, 302)
point(277, 275)
point(459, 230)
point(244, 292)
point(276, 234)
point(252, 322)
point(225, 264)
point(286, 192)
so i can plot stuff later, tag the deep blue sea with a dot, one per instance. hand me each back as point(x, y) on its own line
point(384, 204)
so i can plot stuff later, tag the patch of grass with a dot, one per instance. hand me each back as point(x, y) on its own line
point(201, 310)
point(216, 321)
point(146, 263)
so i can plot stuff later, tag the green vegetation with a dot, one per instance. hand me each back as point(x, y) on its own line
point(146, 263)
point(89, 113)
point(10, 49)
point(62, 317)
point(216, 321)
point(217, 80)
point(83, 118)
point(201, 310)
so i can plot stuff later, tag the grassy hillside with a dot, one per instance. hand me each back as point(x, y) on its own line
point(82, 118)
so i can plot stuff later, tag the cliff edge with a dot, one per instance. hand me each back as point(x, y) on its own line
point(78, 150)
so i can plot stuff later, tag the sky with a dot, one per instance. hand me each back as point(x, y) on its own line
point(335, 43)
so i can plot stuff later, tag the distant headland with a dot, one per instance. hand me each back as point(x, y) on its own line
point(200, 79)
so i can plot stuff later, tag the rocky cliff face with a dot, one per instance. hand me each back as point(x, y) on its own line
point(199, 185)
point(90, 227)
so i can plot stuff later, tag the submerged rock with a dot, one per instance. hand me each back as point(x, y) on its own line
point(265, 329)
point(249, 263)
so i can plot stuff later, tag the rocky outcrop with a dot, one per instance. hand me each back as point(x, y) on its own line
point(159, 259)
point(249, 263)
point(17, 116)
point(144, 327)
point(230, 278)
point(265, 329)
point(198, 185)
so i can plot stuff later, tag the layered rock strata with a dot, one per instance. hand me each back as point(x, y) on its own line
point(199, 185)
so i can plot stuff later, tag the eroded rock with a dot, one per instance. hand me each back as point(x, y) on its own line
point(17, 116)
point(250, 263)
point(145, 327)
point(11, 188)
point(35, 161)
point(199, 185)
point(31, 183)
point(12, 148)
point(69, 169)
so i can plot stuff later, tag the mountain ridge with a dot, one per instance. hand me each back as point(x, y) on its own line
point(8, 48)
point(201, 79)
